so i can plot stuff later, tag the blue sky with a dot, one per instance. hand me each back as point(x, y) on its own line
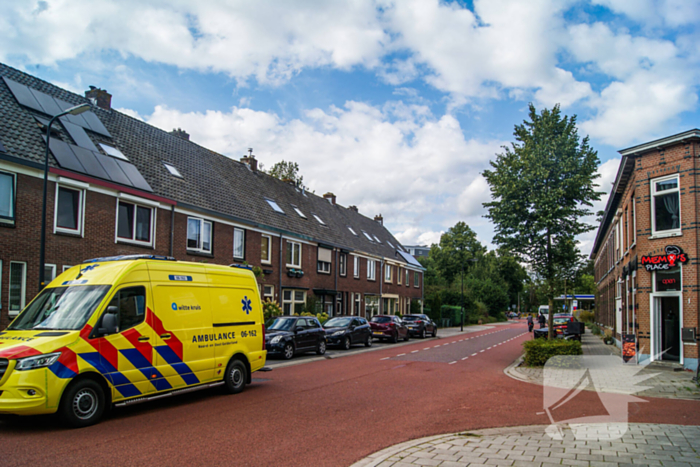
point(395, 106)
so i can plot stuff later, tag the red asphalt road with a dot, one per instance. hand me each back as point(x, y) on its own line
point(331, 412)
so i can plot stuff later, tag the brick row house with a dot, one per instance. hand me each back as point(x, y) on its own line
point(118, 186)
point(646, 251)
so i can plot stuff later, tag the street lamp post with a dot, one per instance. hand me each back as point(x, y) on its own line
point(461, 326)
point(77, 110)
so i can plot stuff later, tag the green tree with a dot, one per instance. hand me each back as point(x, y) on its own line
point(287, 171)
point(542, 186)
point(458, 247)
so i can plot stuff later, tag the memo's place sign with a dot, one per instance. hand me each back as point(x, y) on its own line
point(674, 256)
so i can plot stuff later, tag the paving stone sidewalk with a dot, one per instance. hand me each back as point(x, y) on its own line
point(666, 382)
point(641, 444)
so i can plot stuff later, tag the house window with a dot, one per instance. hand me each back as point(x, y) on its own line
point(134, 222)
point(238, 243)
point(634, 221)
point(293, 301)
point(66, 267)
point(356, 266)
point(293, 254)
point(266, 249)
point(198, 235)
point(416, 279)
point(358, 304)
point(398, 275)
point(666, 206)
point(49, 272)
point(7, 197)
point(269, 292)
point(68, 216)
point(324, 260)
point(407, 284)
point(18, 286)
point(371, 305)
point(343, 264)
point(387, 273)
point(371, 270)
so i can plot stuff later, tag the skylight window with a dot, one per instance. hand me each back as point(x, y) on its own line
point(298, 211)
point(173, 170)
point(321, 221)
point(112, 151)
point(378, 241)
point(353, 232)
point(367, 235)
point(274, 205)
point(389, 243)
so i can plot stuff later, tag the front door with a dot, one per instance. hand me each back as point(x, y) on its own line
point(670, 329)
point(618, 315)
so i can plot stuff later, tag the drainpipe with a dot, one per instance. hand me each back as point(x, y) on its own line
point(172, 228)
point(381, 280)
point(335, 301)
point(697, 253)
point(279, 287)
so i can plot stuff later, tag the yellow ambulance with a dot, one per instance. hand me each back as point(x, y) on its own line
point(127, 329)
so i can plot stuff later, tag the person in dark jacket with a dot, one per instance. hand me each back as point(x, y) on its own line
point(542, 320)
point(530, 323)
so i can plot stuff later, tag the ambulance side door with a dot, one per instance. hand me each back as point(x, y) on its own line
point(234, 323)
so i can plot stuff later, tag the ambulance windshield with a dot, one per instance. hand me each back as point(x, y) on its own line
point(66, 308)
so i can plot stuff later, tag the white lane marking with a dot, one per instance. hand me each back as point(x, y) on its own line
point(437, 346)
point(427, 348)
point(465, 358)
point(414, 351)
point(461, 340)
point(401, 355)
point(475, 353)
point(452, 363)
point(489, 348)
point(385, 358)
point(482, 351)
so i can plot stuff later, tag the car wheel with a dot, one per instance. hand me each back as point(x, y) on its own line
point(288, 351)
point(395, 337)
point(405, 339)
point(422, 333)
point(321, 347)
point(369, 341)
point(346, 343)
point(435, 331)
point(82, 403)
point(235, 376)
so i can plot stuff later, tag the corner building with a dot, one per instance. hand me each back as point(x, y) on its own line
point(646, 251)
point(118, 186)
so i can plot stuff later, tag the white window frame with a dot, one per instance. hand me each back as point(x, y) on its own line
point(320, 221)
point(172, 170)
point(294, 246)
point(388, 272)
point(293, 301)
point(274, 205)
point(23, 296)
point(416, 279)
point(343, 264)
point(13, 202)
point(654, 194)
point(408, 284)
point(399, 273)
point(65, 268)
point(298, 211)
point(81, 210)
point(356, 267)
point(132, 240)
point(200, 248)
point(269, 250)
point(634, 221)
point(323, 267)
point(352, 231)
point(371, 270)
point(240, 232)
point(271, 294)
point(52, 267)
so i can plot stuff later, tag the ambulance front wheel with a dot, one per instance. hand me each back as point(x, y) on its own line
point(82, 404)
point(235, 376)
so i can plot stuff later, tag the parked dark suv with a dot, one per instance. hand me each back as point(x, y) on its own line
point(388, 327)
point(290, 335)
point(420, 325)
point(344, 331)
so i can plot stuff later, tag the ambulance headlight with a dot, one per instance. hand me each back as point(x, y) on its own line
point(276, 339)
point(37, 361)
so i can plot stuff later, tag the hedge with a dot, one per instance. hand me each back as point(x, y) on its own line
point(538, 351)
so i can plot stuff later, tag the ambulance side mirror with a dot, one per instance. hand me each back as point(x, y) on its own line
point(109, 321)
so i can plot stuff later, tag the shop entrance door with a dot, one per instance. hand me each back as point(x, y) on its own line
point(666, 329)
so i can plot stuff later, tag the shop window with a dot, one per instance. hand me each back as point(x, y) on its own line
point(199, 235)
point(666, 206)
point(68, 216)
point(134, 222)
point(668, 280)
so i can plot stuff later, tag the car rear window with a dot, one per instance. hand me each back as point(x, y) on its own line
point(381, 319)
point(410, 318)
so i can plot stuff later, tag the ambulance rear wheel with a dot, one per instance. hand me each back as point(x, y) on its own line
point(235, 376)
point(82, 404)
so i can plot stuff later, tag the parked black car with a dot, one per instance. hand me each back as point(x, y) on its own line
point(388, 326)
point(344, 331)
point(290, 335)
point(420, 325)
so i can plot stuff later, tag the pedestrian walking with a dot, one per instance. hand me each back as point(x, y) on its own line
point(530, 323)
point(542, 320)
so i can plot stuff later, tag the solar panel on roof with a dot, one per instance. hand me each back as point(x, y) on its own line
point(79, 136)
point(23, 95)
point(116, 174)
point(410, 259)
point(65, 156)
point(89, 162)
point(75, 119)
point(134, 175)
point(46, 102)
point(95, 124)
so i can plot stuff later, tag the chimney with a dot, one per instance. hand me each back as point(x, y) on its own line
point(180, 133)
point(353, 208)
point(330, 197)
point(250, 160)
point(99, 97)
point(379, 219)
